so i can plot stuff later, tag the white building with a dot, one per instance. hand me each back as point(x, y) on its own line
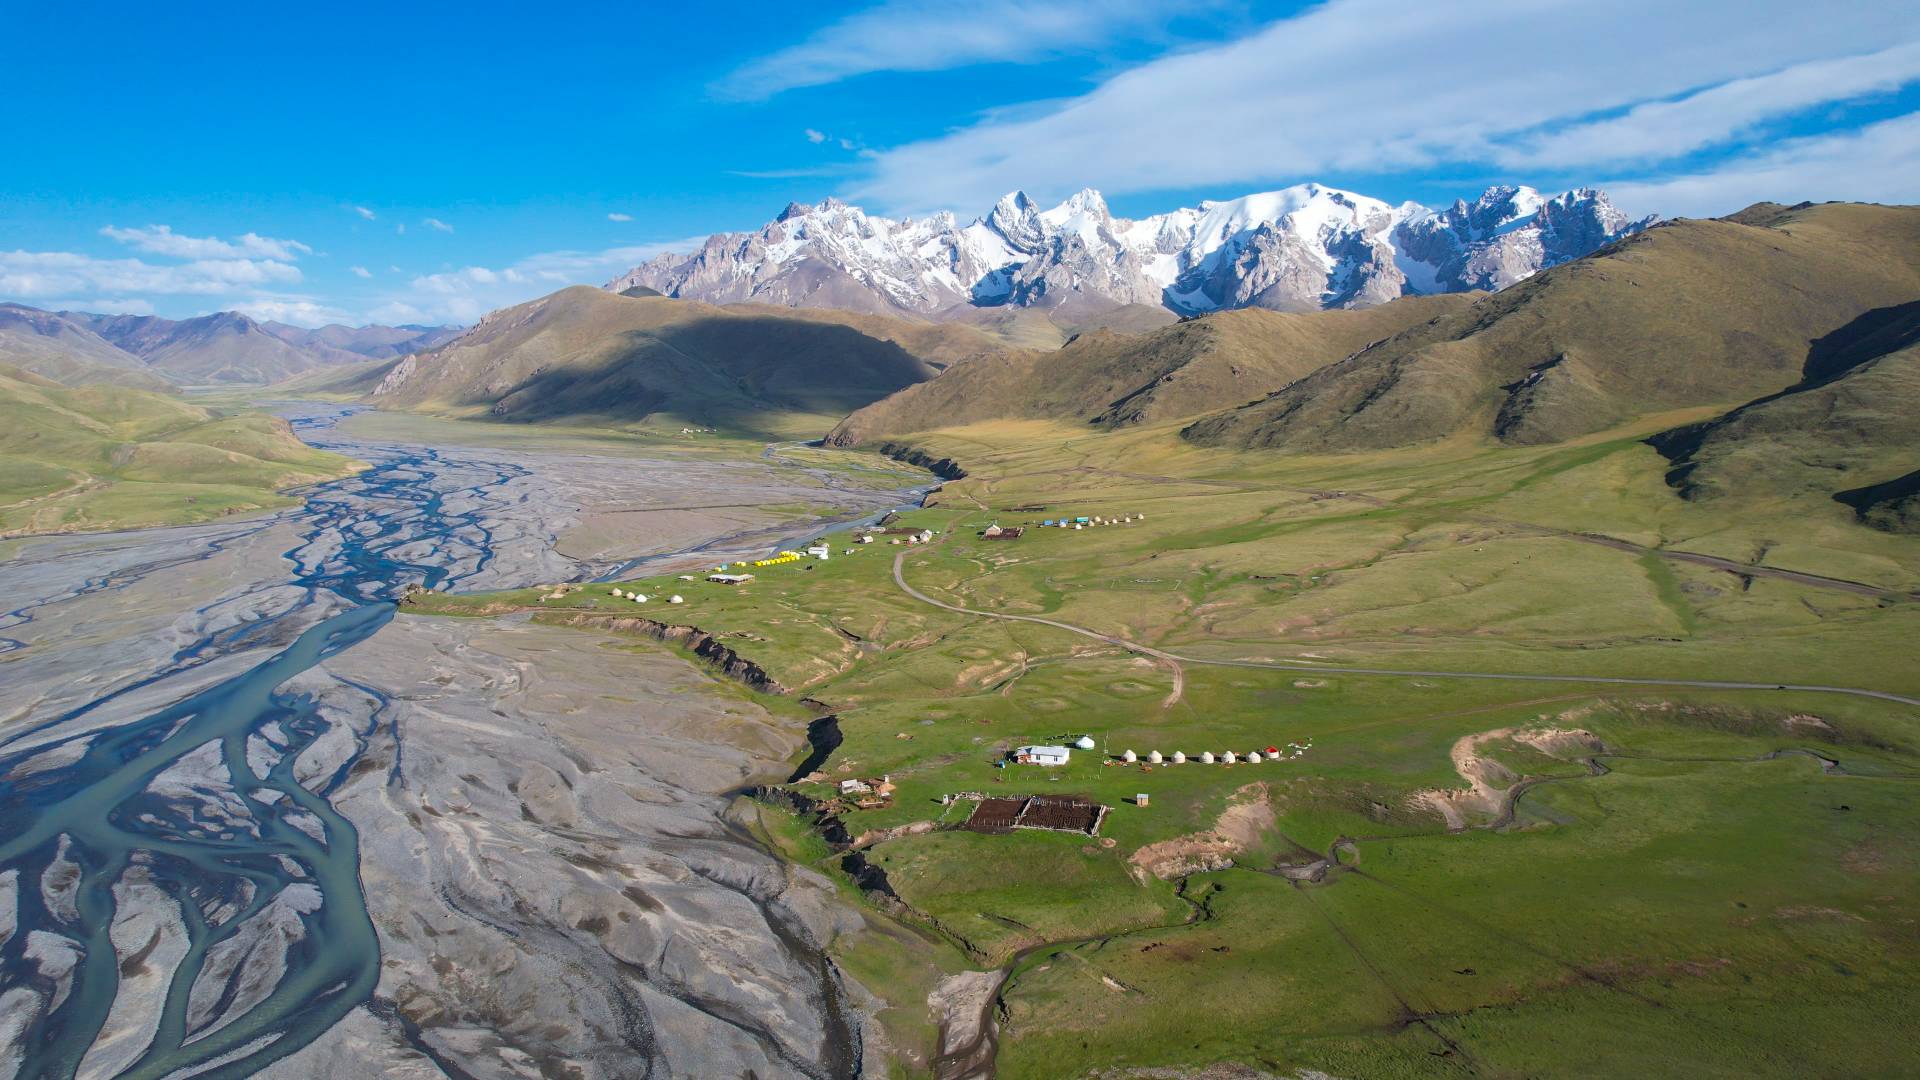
point(1042, 755)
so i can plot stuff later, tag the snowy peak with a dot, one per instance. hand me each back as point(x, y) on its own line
point(1303, 247)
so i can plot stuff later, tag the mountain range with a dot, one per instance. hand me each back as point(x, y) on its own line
point(150, 352)
point(1303, 248)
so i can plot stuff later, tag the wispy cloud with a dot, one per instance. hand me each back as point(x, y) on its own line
point(933, 35)
point(463, 295)
point(816, 137)
point(1878, 163)
point(1663, 130)
point(29, 275)
point(362, 211)
point(294, 310)
point(618, 216)
point(436, 224)
point(361, 271)
point(162, 240)
point(1418, 87)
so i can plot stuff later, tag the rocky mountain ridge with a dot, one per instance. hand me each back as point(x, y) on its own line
point(1302, 248)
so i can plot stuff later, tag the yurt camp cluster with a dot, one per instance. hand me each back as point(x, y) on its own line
point(1092, 521)
point(1207, 757)
point(641, 598)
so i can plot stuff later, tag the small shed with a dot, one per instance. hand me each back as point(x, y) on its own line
point(1041, 755)
point(1140, 799)
point(820, 551)
point(729, 579)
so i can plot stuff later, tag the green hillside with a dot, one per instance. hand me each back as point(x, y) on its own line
point(1848, 425)
point(108, 457)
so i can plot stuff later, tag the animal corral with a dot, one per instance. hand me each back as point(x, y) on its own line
point(1055, 813)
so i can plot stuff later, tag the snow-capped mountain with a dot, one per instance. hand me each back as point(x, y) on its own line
point(1301, 248)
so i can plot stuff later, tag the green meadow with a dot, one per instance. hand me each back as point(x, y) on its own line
point(1640, 877)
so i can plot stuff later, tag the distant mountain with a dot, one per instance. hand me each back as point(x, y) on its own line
point(1303, 248)
point(150, 352)
point(1111, 380)
point(351, 344)
point(55, 348)
point(1691, 313)
point(582, 353)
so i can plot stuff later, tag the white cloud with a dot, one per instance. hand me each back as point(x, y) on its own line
point(933, 35)
point(400, 229)
point(294, 310)
point(1878, 163)
point(1663, 130)
point(436, 224)
point(1380, 86)
point(463, 295)
point(162, 240)
point(360, 271)
point(362, 211)
point(816, 137)
point(36, 274)
point(617, 216)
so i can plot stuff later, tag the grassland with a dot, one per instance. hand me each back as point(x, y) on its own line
point(1715, 882)
point(109, 457)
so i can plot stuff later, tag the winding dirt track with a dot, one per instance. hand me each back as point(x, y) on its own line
point(900, 579)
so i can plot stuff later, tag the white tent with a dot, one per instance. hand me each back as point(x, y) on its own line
point(1129, 756)
point(1253, 757)
point(1178, 758)
point(1229, 757)
point(1084, 742)
point(1206, 757)
point(675, 599)
point(1153, 757)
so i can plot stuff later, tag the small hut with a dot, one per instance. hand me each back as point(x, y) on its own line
point(1129, 756)
point(1153, 757)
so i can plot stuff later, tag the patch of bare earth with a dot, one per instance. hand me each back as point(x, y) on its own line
point(1491, 785)
point(1248, 815)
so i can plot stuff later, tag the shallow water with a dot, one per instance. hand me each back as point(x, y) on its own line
point(123, 814)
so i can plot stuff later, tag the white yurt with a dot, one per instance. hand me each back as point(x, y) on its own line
point(1084, 742)
point(1153, 757)
point(1178, 758)
point(675, 599)
point(619, 593)
point(1206, 757)
point(1129, 756)
point(1253, 757)
point(1229, 757)
point(638, 598)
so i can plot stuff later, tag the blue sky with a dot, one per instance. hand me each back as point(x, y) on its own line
point(431, 164)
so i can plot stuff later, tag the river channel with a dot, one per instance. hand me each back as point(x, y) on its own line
point(250, 822)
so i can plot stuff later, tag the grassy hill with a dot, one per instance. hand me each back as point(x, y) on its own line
point(1848, 425)
point(1113, 379)
point(56, 348)
point(1691, 313)
point(582, 354)
point(106, 457)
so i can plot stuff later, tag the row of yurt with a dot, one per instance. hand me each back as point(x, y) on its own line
point(1207, 757)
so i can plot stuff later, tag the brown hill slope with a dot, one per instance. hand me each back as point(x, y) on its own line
point(1686, 314)
point(67, 352)
point(584, 353)
point(1113, 379)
